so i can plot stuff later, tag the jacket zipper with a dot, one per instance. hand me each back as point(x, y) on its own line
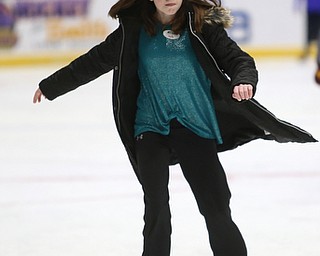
point(215, 62)
point(119, 76)
point(203, 44)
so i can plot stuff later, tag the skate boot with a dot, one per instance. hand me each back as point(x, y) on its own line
point(317, 75)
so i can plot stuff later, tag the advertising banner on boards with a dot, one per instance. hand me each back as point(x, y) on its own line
point(45, 25)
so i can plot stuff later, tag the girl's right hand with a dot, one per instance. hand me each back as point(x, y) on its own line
point(37, 96)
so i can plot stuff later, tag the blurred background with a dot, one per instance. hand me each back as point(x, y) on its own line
point(42, 30)
point(66, 185)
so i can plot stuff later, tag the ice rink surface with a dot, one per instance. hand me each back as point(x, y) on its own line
point(67, 188)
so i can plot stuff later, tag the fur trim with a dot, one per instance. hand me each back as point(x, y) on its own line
point(219, 15)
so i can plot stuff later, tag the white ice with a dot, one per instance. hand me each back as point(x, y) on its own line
point(67, 188)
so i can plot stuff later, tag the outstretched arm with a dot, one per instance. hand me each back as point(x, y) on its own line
point(99, 60)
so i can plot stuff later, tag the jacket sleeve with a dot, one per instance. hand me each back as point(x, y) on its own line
point(99, 60)
point(233, 61)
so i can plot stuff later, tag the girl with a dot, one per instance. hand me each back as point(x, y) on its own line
point(182, 91)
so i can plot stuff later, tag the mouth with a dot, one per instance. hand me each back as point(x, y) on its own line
point(170, 4)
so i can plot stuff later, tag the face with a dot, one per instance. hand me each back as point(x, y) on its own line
point(166, 9)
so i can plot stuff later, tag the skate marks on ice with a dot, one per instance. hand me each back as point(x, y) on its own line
point(67, 188)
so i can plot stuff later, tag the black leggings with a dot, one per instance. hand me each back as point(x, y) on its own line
point(313, 27)
point(202, 169)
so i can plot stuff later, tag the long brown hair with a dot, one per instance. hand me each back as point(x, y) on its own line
point(146, 10)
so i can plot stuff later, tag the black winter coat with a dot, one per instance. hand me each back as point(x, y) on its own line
point(224, 62)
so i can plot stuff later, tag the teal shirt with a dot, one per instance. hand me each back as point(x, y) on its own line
point(173, 85)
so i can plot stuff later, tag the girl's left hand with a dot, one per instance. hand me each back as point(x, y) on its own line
point(242, 92)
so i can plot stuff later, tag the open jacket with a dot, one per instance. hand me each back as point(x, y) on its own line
point(225, 64)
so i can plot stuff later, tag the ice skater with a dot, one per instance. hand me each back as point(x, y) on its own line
point(312, 23)
point(182, 92)
point(317, 75)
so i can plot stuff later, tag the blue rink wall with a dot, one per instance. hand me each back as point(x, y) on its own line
point(42, 31)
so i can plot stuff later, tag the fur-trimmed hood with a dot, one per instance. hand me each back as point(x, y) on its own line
point(219, 15)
